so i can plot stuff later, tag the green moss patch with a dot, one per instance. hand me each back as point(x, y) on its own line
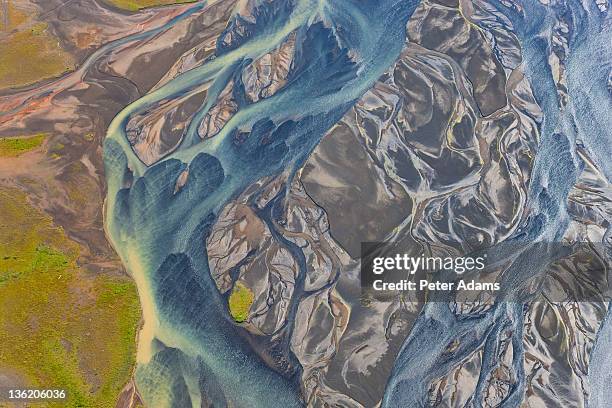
point(135, 5)
point(31, 55)
point(61, 326)
point(240, 302)
point(14, 146)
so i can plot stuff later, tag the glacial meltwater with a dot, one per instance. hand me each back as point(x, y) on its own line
point(160, 209)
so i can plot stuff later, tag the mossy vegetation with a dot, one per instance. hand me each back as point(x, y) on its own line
point(29, 52)
point(10, 16)
point(60, 325)
point(135, 5)
point(15, 146)
point(240, 302)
